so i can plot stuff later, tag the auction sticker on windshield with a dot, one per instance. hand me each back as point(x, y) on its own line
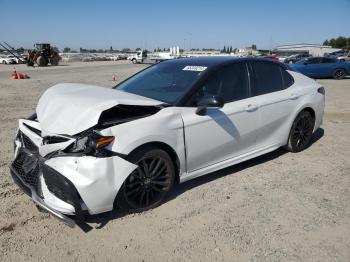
point(194, 68)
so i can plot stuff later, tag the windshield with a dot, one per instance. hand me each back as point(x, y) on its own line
point(165, 82)
point(301, 61)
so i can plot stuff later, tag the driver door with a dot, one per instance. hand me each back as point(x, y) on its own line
point(222, 133)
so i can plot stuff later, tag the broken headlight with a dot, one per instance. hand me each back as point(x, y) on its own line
point(92, 144)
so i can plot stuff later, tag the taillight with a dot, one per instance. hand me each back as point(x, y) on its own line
point(321, 90)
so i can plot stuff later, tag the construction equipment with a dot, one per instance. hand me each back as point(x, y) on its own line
point(42, 55)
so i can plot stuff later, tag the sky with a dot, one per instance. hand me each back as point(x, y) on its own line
point(160, 23)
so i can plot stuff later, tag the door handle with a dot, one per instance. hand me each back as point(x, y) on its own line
point(294, 96)
point(251, 108)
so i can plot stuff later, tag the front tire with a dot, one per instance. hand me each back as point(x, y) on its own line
point(301, 132)
point(134, 61)
point(339, 73)
point(41, 61)
point(148, 185)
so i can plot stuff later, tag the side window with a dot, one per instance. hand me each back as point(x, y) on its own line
point(312, 61)
point(268, 78)
point(325, 60)
point(229, 82)
point(288, 80)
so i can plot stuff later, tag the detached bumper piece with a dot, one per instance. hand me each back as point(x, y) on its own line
point(26, 170)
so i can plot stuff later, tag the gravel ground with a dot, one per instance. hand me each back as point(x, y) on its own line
point(278, 207)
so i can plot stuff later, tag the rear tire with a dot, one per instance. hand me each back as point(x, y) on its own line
point(339, 73)
point(41, 61)
point(54, 61)
point(301, 132)
point(149, 184)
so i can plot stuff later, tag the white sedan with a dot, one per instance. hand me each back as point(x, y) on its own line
point(7, 60)
point(89, 149)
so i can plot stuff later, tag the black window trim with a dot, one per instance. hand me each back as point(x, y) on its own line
point(186, 99)
point(254, 78)
point(182, 101)
point(285, 70)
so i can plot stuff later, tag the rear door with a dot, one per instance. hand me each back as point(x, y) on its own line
point(326, 67)
point(276, 101)
point(222, 133)
point(312, 67)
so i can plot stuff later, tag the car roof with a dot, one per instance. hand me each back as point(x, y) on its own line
point(320, 57)
point(213, 61)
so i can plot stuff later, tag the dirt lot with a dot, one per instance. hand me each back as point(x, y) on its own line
point(278, 207)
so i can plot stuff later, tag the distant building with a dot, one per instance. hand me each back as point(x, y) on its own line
point(246, 51)
point(312, 49)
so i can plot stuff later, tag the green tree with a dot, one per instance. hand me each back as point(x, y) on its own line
point(224, 50)
point(253, 47)
point(339, 42)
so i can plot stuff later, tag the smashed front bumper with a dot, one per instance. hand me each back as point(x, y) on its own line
point(30, 173)
point(68, 185)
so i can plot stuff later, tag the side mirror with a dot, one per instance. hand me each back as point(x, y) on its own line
point(209, 102)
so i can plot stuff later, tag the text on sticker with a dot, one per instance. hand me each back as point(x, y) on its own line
point(194, 68)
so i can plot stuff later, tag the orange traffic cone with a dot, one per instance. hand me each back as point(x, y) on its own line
point(15, 75)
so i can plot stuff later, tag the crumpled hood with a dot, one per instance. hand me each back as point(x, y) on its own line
point(72, 108)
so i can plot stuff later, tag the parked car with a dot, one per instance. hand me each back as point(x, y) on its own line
point(344, 57)
point(322, 67)
point(282, 58)
point(90, 149)
point(271, 57)
point(115, 58)
point(122, 57)
point(341, 55)
point(295, 58)
point(7, 60)
point(17, 61)
point(87, 59)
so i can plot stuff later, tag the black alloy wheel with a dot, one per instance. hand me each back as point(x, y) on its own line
point(339, 73)
point(301, 132)
point(147, 186)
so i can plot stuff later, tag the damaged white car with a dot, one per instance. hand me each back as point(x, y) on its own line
point(89, 149)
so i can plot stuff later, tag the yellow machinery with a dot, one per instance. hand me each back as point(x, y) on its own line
point(42, 55)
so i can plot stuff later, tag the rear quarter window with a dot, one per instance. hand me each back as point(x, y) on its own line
point(288, 80)
point(270, 77)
